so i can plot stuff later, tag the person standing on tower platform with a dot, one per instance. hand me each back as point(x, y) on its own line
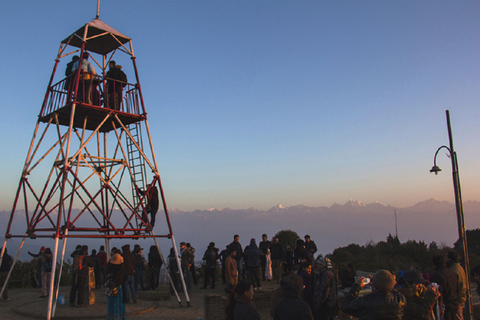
point(87, 74)
point(69, 73)
point(116, 80)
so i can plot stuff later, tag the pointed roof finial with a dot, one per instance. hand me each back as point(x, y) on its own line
point(98, 9)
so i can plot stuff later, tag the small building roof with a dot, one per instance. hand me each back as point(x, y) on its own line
point(100, 37)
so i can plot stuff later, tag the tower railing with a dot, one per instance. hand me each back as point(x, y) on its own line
point(93, 91)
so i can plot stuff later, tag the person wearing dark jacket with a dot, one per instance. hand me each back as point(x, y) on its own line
point(38, 256)
point(130, 266)
point(186, 261)
point(96, 267)
point(139, 268)
point(252, 256)
point(277, 254)
point(453, 263)
point(7, 262)
point(102, 256)
point(235, 245)
point(310, 248)
point(299, 254)
point(82, 262)
point(210, 257)
point(153, 203)
point(240, 303)
point(47, 266)
point(308, 284)
point(448, 283)
point(325, 293)
point(174, 271)
point(382, 303)
point(291, 306)
point(421, 300)
point(347, 277)
point(154, 265)
point(116, 80)
point(117, 273)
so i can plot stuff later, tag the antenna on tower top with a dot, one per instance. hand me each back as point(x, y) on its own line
point(98, 9)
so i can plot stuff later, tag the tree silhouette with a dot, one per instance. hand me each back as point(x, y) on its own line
point(286, 237)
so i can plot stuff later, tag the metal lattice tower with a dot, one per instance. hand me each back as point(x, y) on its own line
point(88, 173)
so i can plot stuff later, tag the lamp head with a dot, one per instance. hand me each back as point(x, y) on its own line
point(435, 169)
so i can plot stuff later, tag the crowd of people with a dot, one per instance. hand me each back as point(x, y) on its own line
point(309, 288)
point(408, 295)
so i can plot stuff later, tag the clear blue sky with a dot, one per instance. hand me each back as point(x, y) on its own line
point(257, 103)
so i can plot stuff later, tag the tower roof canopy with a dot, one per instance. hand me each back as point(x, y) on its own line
point(99, 37)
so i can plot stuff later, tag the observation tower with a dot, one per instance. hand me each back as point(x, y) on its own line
point(90, 169)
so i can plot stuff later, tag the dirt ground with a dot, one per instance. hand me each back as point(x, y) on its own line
point(26, 304)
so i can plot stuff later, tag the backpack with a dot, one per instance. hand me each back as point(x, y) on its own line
point(47, 266)
point(78, 262)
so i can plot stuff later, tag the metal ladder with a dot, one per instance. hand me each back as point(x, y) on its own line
point(135, 160)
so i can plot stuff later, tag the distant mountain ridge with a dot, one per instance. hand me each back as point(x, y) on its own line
point(330, 227)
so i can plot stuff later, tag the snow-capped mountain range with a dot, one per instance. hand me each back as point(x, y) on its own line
point(330, 227)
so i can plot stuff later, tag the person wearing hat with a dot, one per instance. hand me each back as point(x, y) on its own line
point(140, 268)
point(421, 299)
point(448, 287)
point(81, 263)
point(382, 303)
point(453, 263)
point(325, 292)
point(116, 274)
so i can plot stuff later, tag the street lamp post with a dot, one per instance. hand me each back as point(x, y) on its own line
point(459, 208)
